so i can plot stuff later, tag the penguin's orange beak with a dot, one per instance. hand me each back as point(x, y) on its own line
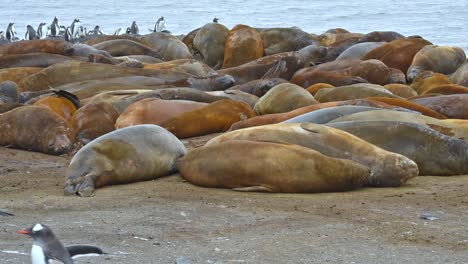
point(23, 232)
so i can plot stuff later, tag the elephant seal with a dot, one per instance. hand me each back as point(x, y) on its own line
point(154, 111)
point(210, 41)
point(403, 103)
point(306, 78)
point(283, 98)
point(278, 40)
point(17, 74)
point(170, 47)
point(385, 36)
point(354, 91)
point(9, 92)
point(258, 87)
point(440, 59)
point(277, 168)
point(31, 60)
point(190, 66)
point(387, 169)
point(243, 44)
point(124, 47)
point(236, 96)
point(398, 53)
point(452, 106)
point(358, 51)
point(456, 130)
point(428, 80)
point(460, 76)
point(434, 152)
point(402, 90)
point(101, 38)
point(93, 120)
point(309, 55)
point(83, 50)
point(314, 88)
point(335, 49)
point(37, 45)
point(325, 115)
point(213, 118)
point(36, 128)
point(131, 154)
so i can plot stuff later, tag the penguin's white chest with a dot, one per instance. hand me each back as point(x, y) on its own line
point(37, 255)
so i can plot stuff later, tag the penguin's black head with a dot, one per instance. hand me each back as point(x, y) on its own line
point(38, 231)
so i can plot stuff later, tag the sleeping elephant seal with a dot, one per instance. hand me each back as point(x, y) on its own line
point(213, 118)
point(385, 36)
point(269, 167)
point(387, 169)
point(452, 106)
point(435, 153)
point(357, 51)
point(243, 44)
point(461, 75)
point(131, 154)
point(61, 102)
point(258, 87)
point(170, 47)
point(124, 47)
point(9, 92)
point(210, 41)
point(37, 45)
point(325, 115)
point(36, 128)
point(402, 90)
point(283, 98)
point(354, 91)
point(277, 40)
point(440, 59)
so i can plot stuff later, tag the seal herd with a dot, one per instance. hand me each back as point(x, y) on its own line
point(294, 111)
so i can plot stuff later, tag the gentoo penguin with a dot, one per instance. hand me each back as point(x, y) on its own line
point(128, 31)
point(215, 20)
point(74, 28)
point(83, 32)
point(62, 31)
point(95, 31)
point(68, 34)
point(39, 30)
point(30, 33)
point(2, 37)
point(10, 32)
point(47, 249)
point(134, 28)
point(160, 25)
point(54, 27)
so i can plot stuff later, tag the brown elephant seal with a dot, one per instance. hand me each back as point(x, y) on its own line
point(38, 45)
point(278, 40)
point(314, 88)
point(456, 130)
point(278, 168)
point(17, 74)
point(124, 47)
point(451, 106)
point(428, 80)
point(335, 49)
point(188, 41)
point(401, 90)
point(398, 53)
point(210, 41)
point(9, 92)
point(236, 95)
point(83, 50)
point(170, 47)
point(440, 59)
point(358, 51)
point(93, 120)
point(61, 102)
point(328, 38)
point(213, 118)
point(283, 68)
point(154, 111)
point(387, 169)
point(354, 91)
point(140, 58)
point(190, 66)
point(460, 76)
point(309, 55)
point(36, 128)
point(243, 45)
point(258, 87)
point(101, 38)
point(379, 36)
point(31, 60)
point(434, 152)
point(403, 103)
point(306, 78)
point(284, 98)
point(131, 154)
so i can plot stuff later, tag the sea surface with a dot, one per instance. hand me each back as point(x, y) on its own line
point(442, 22)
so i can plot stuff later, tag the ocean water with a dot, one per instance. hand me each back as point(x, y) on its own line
point(441, 22)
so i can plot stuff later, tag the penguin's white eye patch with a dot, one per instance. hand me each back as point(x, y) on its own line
point(37, 227)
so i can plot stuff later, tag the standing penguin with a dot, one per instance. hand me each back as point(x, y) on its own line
point(134, 28)
point(68, 34)
point(39, 30)
point(54, 27)
point(74, 28)
point(2, 36)
point(95, 31)
point(82, 32)
point(47, 249)
point(159, 26)
point(10, 32)
point(30, 33)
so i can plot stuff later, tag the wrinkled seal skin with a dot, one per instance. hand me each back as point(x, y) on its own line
point(38, 45)
point(243, 45)
point(283, 168)
point(387, 169)
point(457, 130)
point(124, 47)
point(36, 128)
point(398, 53)
point(435, 153)
point(210, 41)
point(131, 154)
point(441, 59)
point(93, 120)
point(452, 106)
point(213, 118)
point(154, 111)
